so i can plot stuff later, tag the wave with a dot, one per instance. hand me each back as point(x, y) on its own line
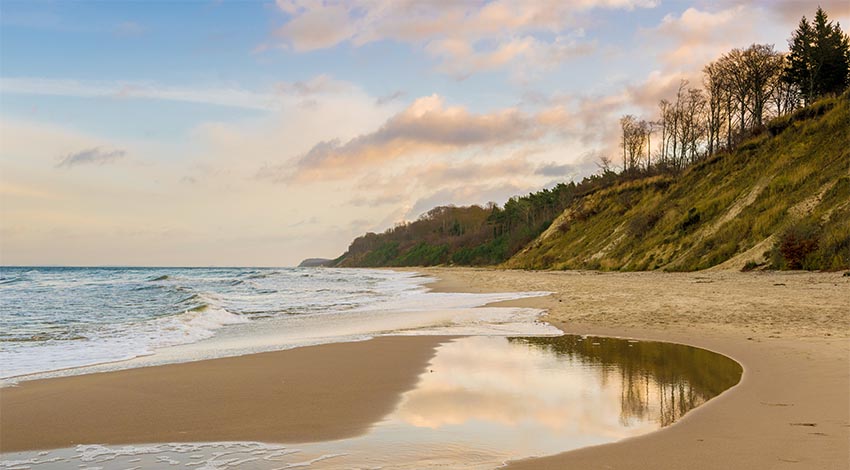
point(164, 277)
point(41, 337)
point(197, 324)
point(11, 280)
point(149, 287)
point(262, 275)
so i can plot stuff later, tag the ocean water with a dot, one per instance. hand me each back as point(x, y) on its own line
point(61, 320)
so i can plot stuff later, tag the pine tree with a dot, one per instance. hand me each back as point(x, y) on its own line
point(801, 69)
point(835, 55)
point(819, 60)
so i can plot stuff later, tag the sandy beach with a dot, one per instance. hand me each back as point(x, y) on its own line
point(789, 331)
point(305, 394)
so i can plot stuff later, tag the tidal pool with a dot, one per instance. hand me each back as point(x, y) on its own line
point(480, 402)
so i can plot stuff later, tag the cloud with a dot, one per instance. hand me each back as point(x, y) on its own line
point(317, 28)
point(220, 96)
point(700, 36)
point(468, 194)
point(427, 125)
point(318, 85)
point(464, 37)
point(390, 97)
point(792, 10)
point(92, 156)
point(553, 169)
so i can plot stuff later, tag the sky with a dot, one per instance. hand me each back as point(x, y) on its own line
point(260, 133)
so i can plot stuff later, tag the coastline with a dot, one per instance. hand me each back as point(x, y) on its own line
point(788, 330)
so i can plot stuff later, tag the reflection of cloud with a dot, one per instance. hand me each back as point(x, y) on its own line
point(92, 156)
point(489, 380)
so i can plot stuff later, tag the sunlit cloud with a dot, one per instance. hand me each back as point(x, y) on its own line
point(427, 125)
point(464, 37)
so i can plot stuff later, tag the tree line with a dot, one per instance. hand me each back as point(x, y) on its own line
point(741, 91)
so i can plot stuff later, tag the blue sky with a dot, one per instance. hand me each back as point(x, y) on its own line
point(252, 132)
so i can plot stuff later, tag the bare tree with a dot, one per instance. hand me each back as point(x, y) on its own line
point(762, 67)
point(715, 88)
point(634, 138)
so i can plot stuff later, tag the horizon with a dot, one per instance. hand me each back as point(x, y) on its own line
point(257, 134)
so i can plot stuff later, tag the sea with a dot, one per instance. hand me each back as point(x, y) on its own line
point(58, 321)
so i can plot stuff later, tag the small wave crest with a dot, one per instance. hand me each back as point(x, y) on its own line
point(164, 277)
point(10, 280)
point(198, 323)
point(262, 275)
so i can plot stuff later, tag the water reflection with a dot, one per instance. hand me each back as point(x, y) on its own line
point(481, 401)
point(660, 381)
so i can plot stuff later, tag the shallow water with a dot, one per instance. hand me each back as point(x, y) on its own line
point(480, 402)
point(66, 319)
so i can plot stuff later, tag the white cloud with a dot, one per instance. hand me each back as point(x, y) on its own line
point(465, 37)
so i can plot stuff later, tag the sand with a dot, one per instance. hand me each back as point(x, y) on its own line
point(789, 330)
point(306, 394)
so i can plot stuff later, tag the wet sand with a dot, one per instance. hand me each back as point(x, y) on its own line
point(306, 394)
point(790, 331)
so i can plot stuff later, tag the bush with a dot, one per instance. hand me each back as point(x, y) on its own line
point(750, 266)
point(692, 218)
point(795, 245)
point(641, 224)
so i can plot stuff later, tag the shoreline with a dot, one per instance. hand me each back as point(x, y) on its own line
point(790, 409)
point(319, 393)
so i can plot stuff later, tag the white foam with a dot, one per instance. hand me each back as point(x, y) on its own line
point(404, 307)
point(136, 340)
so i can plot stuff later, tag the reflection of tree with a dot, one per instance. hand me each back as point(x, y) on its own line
point(671, 377)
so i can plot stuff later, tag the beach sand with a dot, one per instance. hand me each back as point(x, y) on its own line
point(789, 330)
point(306, 394)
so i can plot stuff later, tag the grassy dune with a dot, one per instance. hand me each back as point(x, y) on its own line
point(779, 201)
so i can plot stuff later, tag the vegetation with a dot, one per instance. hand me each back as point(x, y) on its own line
point(471, 235)
point(777, 201)
point(752, 170)
point(818, 60)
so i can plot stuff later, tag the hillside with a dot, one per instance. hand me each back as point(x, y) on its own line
point(471, 235)
point(781, 199)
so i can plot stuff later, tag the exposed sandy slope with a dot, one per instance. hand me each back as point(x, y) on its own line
point(789, 330)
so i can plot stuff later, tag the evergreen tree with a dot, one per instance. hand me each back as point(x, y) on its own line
point(819, 60)
point(801, 69)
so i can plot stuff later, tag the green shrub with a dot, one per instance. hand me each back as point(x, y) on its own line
point(692, 219)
